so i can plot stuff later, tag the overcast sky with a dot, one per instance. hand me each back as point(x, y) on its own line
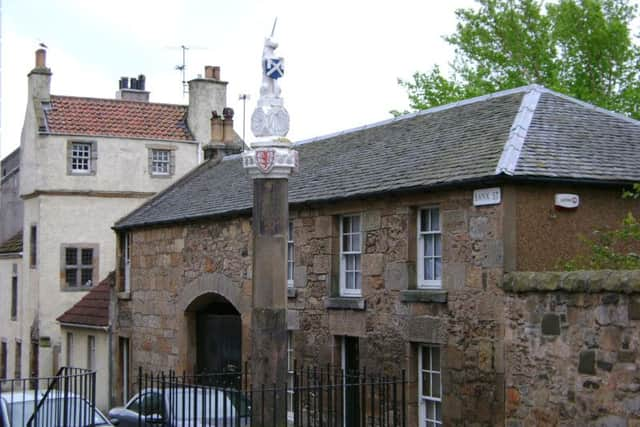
point(343, 57)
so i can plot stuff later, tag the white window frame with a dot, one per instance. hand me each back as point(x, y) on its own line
point(430, 399)
point(160, 166)
point(290, 255)
point(436, 281)
point(127, 262)
point(290, 377)
point(81, 157)
point(354, 252)
point(91, 352)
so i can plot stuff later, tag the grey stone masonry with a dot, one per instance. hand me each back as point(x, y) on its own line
point(572, 348)
point(624, 281)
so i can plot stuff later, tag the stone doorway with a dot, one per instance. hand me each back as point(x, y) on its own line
point(218, 335)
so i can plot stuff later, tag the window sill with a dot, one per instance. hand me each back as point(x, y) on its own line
point(424, 295)
point(161, 175)
point(77, 289)
point(291, 292)
point(345, 303)
point(124, 295)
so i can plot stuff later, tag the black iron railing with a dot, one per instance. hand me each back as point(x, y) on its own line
point(66, 399)
point(312, 397)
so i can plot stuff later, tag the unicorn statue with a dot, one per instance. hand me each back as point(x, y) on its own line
point(270, 120)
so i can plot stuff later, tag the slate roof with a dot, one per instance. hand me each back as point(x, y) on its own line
point(93, 308)
point(524, 132)
point(12, 245)
point(68, 115)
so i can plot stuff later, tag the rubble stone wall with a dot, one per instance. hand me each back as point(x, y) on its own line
point(172, 267)
point(572, 348)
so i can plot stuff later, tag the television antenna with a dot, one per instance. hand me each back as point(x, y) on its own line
point(183, 66)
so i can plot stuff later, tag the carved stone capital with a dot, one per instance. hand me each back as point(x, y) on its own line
point(270, 162)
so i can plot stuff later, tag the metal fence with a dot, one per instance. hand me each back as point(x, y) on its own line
point(312, 397)
point(66, 399)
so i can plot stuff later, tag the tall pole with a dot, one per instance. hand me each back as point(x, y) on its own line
point(244, 97)
point(269, 162)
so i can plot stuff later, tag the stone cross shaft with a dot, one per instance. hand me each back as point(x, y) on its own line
point(269, 162)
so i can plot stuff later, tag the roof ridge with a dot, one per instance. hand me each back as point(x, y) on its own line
point(419, 113)
point(128, 101)
point(513, 146)
point(588, 105)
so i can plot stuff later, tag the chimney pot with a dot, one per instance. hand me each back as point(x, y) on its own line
point(41, 58)
point(227, 131)
point(217, 132)
point(141, 81)
point(212, 72)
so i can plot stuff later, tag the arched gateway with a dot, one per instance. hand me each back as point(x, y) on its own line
point(218, 334)
point(212, 333)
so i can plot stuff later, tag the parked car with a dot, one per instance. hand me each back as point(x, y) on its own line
point(183, 406)
point(17, 408)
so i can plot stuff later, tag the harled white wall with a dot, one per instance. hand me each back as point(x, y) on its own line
point(80, 358)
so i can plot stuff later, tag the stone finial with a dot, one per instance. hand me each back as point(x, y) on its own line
point(270, 118)
point(271, 155)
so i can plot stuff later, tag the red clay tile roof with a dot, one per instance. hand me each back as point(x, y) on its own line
point(93, 308)
point(68, 115)
point(12, 245)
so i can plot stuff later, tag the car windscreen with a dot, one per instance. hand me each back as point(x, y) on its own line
point(52, 413)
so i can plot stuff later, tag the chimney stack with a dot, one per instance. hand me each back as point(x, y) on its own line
point(206, 94)
point(40, 78)
point(132, 89)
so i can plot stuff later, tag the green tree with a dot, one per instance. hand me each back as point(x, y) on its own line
point(583, 48)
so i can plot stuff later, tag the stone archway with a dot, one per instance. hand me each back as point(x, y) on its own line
point(218, 334)
point(201, 300)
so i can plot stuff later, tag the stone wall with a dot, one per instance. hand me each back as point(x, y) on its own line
point(170, 269)
point(572, 349)
point(173, 267)
point(394, 317)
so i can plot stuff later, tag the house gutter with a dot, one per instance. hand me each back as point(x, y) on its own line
point(81, 326)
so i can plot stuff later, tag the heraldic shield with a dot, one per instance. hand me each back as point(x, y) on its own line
point(274, 67)
point(265, 159)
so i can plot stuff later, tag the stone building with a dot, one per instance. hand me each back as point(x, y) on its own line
point(400, 236)
point(82, 164)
